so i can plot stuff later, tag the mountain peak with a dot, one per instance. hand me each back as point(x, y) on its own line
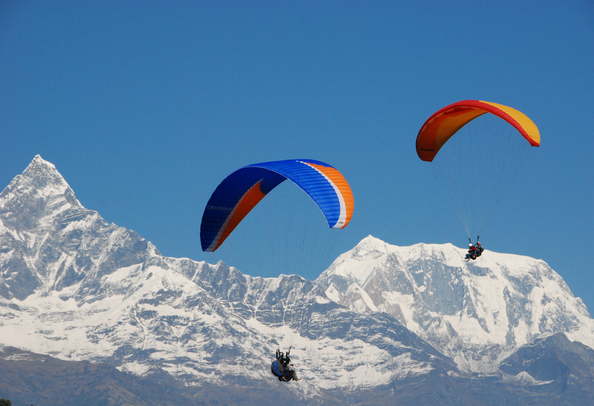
point(38, 191)
point(502, 300)
point(44, 171)
point(40, 166)
point(371, 244)
point(37, 159)
point(44, 177)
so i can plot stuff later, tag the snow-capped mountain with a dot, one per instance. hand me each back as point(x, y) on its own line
point(476, 312)
point(382, 321)
point(76, 287)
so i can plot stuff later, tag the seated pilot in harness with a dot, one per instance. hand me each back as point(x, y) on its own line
point(282, 367)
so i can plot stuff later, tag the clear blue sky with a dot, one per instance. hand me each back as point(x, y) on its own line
point(145, 106)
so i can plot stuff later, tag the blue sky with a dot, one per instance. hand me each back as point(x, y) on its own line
point(144, 107)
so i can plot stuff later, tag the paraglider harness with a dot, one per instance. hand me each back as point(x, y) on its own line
point(475, 250)
point(282, 368)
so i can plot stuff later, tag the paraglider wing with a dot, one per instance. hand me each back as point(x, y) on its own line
point(438, 129)
point(241, 191)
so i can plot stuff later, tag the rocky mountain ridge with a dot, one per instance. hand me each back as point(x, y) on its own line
point(490, 306)
point(381, 319)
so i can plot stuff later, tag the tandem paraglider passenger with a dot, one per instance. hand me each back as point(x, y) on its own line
point(471, 252)
point(282, 367)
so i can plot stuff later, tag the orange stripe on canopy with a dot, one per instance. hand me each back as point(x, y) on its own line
point(251, 198)
point(438, 128)
point(345, 195)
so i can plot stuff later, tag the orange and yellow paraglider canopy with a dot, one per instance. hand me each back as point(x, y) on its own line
point(438, 129)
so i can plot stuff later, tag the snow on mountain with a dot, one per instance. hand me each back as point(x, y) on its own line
point(477, 312)
point(77, 288)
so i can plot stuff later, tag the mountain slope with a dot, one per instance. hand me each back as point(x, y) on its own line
point(75, 383)
point(477, 312)
point(78, 288)
point(382, 324)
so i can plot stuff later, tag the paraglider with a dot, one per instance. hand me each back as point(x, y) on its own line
point(282, 367)
point(241, 191)
point(474, 250)
point(476, 162)
point(444, 123)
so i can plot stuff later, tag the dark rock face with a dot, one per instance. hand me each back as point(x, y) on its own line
point(555, 365)
point(27, 378)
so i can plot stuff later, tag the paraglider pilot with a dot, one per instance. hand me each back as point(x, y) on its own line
point(479, 249)
point(474, 251)
point(282, 367)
